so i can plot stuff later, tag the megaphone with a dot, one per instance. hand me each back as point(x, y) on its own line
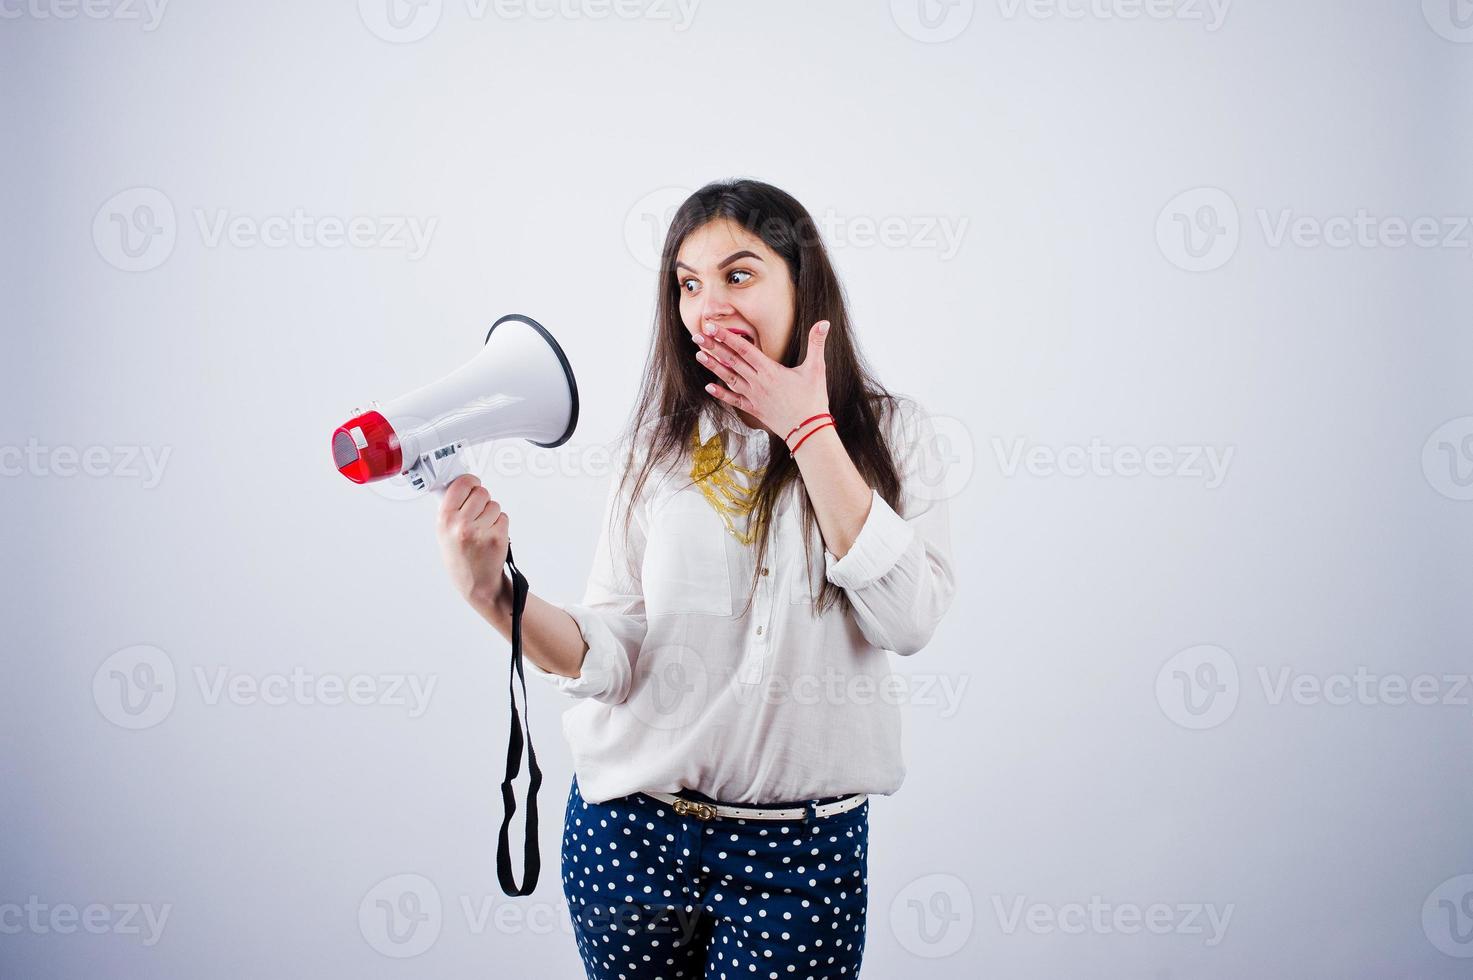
point(518, 386)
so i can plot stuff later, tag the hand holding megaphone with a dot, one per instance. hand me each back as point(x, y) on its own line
point(519, 385)
point(474, 534)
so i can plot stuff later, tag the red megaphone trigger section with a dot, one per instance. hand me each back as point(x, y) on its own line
point(366, 448)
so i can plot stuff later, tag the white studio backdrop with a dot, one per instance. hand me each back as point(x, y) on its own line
point(1185, 284)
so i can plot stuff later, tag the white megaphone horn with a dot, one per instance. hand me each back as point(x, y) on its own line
point(518, 386)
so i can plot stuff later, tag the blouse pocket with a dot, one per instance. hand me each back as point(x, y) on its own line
point(686, 567)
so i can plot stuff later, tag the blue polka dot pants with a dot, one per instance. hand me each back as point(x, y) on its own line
point(656, 894)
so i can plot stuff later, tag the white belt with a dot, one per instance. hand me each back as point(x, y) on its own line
point(710, 811)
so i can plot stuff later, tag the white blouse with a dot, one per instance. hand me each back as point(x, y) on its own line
point(681, 687)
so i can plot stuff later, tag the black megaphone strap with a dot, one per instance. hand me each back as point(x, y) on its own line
point(531, 860)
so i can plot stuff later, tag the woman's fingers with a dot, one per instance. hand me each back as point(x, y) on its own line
point(716, 366)
point(730, 397)
point(721, 368)
point(748, 353)
point(467, 501)
point(456, 494)
point(728, 355)
point(728, 364)
point(475, 502)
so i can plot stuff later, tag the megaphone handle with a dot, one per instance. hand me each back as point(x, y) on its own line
point(531, 860)
point(448, 467)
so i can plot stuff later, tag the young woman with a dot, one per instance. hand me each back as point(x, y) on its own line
point(725, 744)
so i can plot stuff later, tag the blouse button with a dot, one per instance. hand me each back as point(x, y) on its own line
point(759, 631)
point(764, 569)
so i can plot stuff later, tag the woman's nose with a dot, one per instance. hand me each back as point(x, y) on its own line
point(715, 306)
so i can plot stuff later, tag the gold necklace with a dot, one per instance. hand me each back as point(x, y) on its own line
point(713, 471)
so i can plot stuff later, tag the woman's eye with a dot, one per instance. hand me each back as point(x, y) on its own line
point(692, 285)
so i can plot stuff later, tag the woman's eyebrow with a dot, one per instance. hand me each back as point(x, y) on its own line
point(727, 261)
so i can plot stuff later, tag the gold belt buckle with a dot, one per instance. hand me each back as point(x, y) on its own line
point(694, 808)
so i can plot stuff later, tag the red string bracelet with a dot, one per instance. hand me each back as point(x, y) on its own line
point(821, 415)
point(809, 433)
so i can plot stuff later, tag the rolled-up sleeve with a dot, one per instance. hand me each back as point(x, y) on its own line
point(611, 616)
point(898, 574)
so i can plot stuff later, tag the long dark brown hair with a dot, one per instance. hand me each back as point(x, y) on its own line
point(673, 392)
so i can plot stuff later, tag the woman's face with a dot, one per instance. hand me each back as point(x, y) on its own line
point(729, 277)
